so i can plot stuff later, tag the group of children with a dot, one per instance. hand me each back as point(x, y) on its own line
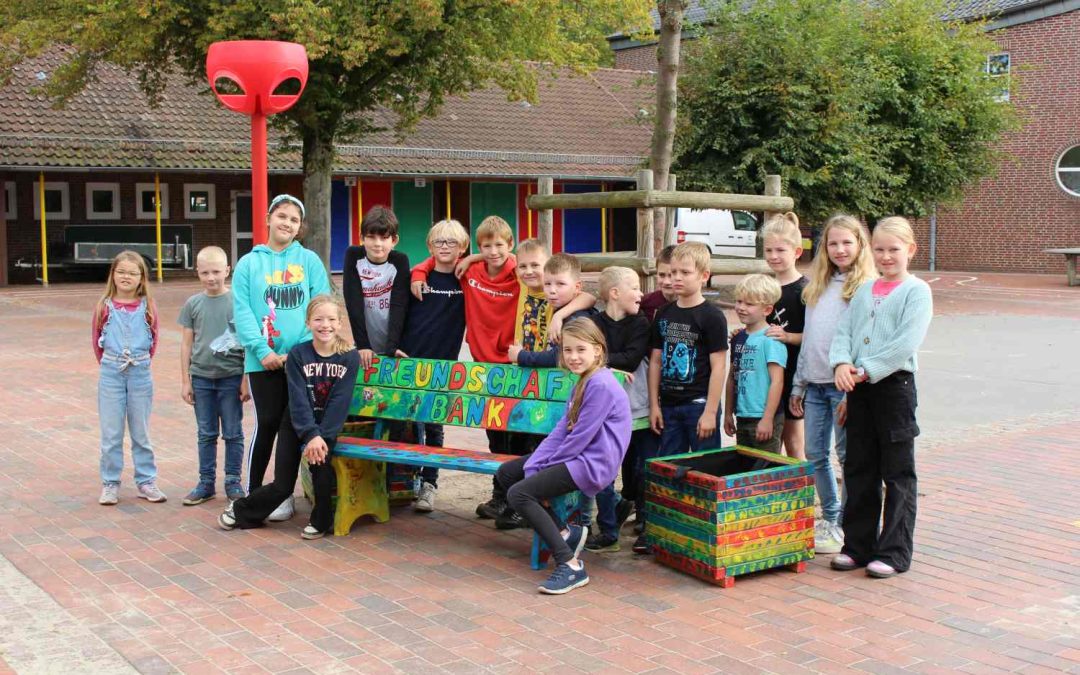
point(837, 348)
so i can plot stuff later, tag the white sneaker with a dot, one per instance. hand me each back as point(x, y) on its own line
point(283, 512)
point(425, 500)
point(828, 538)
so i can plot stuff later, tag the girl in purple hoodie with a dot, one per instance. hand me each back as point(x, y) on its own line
point(583, 452)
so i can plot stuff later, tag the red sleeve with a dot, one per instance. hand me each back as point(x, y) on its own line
point(420, 272)
point(153, 328)
point(96, 323)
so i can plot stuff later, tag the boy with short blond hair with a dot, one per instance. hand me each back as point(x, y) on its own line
point(687, 363)
point(756, 380)
point(533, 310)
point(434, 328)
point(212, 376)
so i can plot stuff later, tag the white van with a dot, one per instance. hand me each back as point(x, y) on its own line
point(731, 233)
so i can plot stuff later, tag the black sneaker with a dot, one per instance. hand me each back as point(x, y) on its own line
point(622, 511)
point(642, 546)
point(492, 508)
point(602, 543)
point(510, 519)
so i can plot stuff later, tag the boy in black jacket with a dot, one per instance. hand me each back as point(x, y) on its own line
point(627, 333)
point(376, 286)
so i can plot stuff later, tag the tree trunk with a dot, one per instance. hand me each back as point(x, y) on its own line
point(667, 77)
point(318, 169)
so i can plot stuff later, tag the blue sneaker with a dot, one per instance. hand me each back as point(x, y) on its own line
point(203, 492)
point(564, 579)
point(576, 539)
point(233, 489)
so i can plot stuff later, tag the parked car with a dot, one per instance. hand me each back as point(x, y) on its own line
point(725, 232)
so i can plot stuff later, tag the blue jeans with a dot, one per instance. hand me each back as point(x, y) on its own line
point(218, 410)
point(680, 429)
point(819, 406)
point(606, 501)
point(125, 395)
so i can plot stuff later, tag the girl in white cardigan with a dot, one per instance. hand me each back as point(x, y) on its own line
point(874, 359)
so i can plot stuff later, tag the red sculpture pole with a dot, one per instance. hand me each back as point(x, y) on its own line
point(257, 67)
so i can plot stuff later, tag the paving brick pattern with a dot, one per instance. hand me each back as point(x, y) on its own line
point(994, 586)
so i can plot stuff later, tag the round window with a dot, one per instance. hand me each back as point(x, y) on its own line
point(1068, 171)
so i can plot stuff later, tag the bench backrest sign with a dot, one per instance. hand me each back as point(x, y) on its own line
point(481, 395)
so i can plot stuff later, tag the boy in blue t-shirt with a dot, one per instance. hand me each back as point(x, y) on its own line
point(756, 381)
point(434, 328)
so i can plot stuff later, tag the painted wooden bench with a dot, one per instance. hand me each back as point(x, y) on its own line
point(1070, 261)
point(502, 397)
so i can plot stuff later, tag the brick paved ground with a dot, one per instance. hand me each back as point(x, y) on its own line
point(994, 586)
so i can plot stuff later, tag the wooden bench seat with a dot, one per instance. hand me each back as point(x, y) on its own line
point(1070, 262)
point(501, 397)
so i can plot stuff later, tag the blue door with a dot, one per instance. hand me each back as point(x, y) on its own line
point(581, 227)
point(340, 214)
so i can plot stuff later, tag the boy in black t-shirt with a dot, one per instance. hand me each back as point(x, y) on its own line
point(434, 328)
point(688, 359)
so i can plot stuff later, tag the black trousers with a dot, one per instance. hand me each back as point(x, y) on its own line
point(644, 445)
point(509, 443)
point(270, 394)
point(253, 510)
point(526, 496)
point(881, 431)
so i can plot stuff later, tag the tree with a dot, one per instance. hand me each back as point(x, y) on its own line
point(405, 56)
point(668, 51)
point(873, 108)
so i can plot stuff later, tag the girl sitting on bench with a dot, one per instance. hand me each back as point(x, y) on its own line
point(583, 453)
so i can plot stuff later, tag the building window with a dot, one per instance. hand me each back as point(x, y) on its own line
point(998, 68)
point(199, 201)
point(1068, 171)
point(9, 200)
point(102, 201)
point(57, 200)
point(144, 201)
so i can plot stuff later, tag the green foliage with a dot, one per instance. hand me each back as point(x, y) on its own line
point(404, 55)
point(871, 108)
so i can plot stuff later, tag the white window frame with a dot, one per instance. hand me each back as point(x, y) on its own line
point(1007, 75)
point(140, 188)
point(236, 234)
point(10, 208)
point(1058, 170)
point(65, 200)
point(91, 214)
point(208, 188)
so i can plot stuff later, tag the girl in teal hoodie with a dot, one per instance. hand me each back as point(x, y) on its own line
point(272, 286)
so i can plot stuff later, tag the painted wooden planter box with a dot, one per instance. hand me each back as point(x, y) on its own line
point(718, 514)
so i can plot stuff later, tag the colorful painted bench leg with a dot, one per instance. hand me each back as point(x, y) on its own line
point(361, 492)
point(567, 508)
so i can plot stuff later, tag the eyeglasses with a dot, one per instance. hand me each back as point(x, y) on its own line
point(444, 243)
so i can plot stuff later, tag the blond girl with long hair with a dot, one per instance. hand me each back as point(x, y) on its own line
point(321, 375)
point(583, 452)
point(124, 330)
point(842, 264)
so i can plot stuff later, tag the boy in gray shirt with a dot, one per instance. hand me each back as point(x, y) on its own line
point(212, 376)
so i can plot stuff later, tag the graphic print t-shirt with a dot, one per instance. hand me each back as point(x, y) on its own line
point(790, 314)
point(533, 316)
point(215, 351)
point(751, 354)
point(377, 280)
point(686, 336)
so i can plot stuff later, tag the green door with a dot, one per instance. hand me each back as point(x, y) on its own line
point(493, 199)
point(412, 206)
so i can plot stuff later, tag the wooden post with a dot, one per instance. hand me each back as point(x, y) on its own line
point(546, 186)
point(645, 245)
point(669, 214)
point(44, 235)
point(772, 189)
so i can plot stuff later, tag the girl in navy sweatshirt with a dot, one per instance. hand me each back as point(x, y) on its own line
point(321, 376)
point(583, 453)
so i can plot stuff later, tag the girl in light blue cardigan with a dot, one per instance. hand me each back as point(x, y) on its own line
point(874, 359)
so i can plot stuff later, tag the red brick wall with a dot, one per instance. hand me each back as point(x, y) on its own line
point(637, 58)
point(1004, 222)
point(23, 233)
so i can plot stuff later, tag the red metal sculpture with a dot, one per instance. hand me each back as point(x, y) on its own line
point(257, 67)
